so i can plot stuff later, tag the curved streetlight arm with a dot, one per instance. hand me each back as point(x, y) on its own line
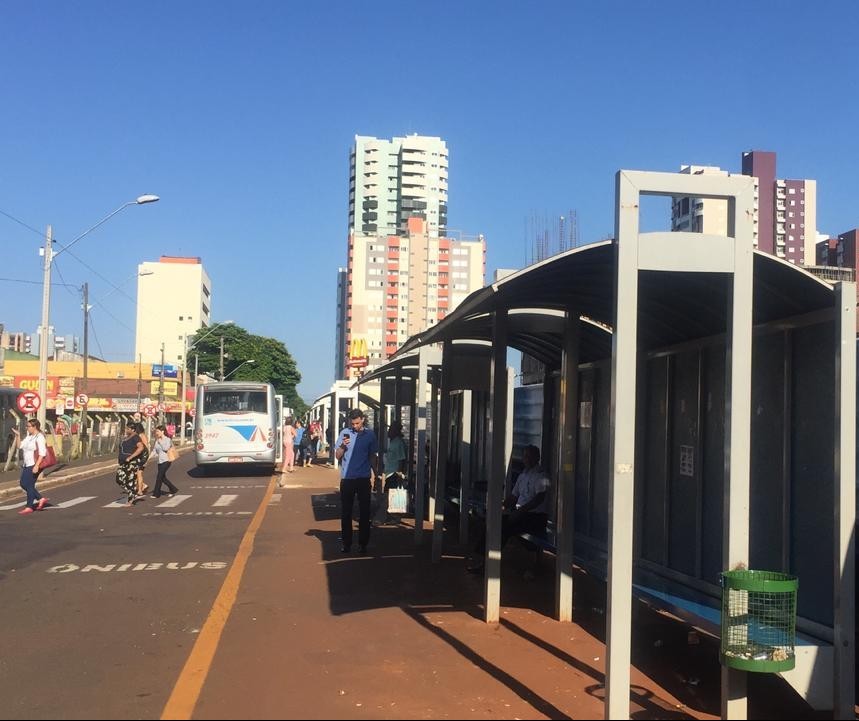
point(208, 333)
point(140, 201)
point(251, 360)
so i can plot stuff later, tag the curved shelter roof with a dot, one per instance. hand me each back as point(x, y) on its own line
point(673, 307)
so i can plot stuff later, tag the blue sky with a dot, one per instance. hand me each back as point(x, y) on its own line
point(241, 116)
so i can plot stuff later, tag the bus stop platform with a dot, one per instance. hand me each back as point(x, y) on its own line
point(315, 633)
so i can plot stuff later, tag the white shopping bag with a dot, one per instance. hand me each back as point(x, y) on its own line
point(398, 499)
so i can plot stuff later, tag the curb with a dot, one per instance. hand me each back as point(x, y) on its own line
point(62, 477)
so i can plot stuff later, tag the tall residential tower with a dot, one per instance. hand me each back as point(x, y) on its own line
point(403, 272)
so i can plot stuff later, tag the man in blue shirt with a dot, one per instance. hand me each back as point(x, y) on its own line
point(357, 450)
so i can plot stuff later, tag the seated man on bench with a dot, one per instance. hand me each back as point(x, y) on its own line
point(527, 506)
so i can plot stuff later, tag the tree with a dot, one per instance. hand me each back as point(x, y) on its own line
point(272, 361)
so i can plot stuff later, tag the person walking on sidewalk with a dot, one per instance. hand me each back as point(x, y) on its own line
point(357, 450)
point(166, 454)
point(288, 465)
point(34, 448)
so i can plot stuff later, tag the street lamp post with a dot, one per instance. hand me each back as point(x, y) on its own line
point(46, 296)
point(250, 360)
point(185, 349)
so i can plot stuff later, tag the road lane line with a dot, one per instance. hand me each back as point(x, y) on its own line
point(175, 501)
point(187, 690)
point(225, 500)
point(70, 503)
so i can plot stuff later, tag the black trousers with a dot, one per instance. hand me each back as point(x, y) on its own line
point(534, 523)
point(162, 478)
point(348, 488)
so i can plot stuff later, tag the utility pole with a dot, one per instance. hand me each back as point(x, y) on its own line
point(43, 336)
point(222, 358)
point(139, 378)
point(83, 432)
point(182, 398)
point(161, 389)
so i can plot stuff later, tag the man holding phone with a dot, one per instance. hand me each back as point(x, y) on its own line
point(357, 450)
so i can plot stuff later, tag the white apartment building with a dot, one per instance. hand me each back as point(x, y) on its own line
point(391, 181)
point(174, 298)
point(700, 215)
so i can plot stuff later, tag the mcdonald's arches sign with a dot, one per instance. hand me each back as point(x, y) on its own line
point(358, 356)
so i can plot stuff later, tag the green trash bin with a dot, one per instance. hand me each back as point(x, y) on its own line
point(758, 620)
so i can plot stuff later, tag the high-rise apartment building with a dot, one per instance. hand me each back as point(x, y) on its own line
point(785, 210)
point(391, 181)
point(700, 215)
point(403, 273)
point(174, 298)
point(398, 285)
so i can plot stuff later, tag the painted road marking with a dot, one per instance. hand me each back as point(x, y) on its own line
point(198, 513)
point(115, 504)
point(175, 501)
point(275, 498)
point(108, 567)
point(186, 692)
point(224, 500)
point(262, 485)
point(72, 502)
point(12, 506)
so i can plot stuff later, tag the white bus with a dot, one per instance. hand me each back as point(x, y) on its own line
point(237, 422)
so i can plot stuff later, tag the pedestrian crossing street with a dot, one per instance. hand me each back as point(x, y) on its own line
point(179, 504)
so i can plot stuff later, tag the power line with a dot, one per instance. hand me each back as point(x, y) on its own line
point(97, 341)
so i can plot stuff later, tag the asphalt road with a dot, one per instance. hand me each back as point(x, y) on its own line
point(102, 604)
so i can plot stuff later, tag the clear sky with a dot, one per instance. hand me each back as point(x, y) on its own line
point(240, 115)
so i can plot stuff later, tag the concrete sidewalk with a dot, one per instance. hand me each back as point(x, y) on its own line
point(315, 633)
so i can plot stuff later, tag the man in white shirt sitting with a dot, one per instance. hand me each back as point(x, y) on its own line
point(528, 506)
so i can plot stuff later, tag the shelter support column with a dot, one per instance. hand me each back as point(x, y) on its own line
point(465, 468)
point(433, 446)
point(335, 420)
point(443, 450)
point(622, 453)
point(844, 626)
point(497, 466)
point(738, 426)
point(421, 423)
point(567, 439)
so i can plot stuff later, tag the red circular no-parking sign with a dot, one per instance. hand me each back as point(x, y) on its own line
point(29, 402)
point(149, 410)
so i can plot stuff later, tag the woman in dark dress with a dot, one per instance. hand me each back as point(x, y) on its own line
point(131, 450)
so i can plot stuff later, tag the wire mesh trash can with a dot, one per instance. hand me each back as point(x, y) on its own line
point(758, 620)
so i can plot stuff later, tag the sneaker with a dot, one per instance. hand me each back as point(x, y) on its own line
point(25, 511)
point(42, 503)
point(343, 549)
point(154, 496)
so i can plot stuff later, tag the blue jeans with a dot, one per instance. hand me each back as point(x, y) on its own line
point(28, 483)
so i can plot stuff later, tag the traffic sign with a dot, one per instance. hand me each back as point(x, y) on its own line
point(29, 402)
point(82, 399)
point(161, 408)
point(149, 410)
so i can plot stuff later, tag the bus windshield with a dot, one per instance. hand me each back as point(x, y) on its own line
point(231, 400)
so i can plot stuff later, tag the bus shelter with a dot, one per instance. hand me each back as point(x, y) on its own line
point(702, 398)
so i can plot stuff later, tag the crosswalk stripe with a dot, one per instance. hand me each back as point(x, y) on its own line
point(225, 500)
point(12, 506)
point(72, 502)
point(115, 504)
point(173, 502)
